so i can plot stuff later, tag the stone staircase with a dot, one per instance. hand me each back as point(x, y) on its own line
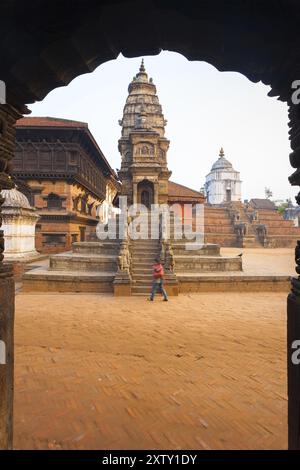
point(251, 239)
point(280, 233)
point(218, 227)
point(95, 266)
point(143, 254)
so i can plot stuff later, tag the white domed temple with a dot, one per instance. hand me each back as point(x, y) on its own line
point(223, 183)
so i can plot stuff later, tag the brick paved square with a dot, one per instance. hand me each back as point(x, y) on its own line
point(204, 371)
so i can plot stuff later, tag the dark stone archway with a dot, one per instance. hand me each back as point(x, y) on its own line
point(42, 48)
point(145, 191)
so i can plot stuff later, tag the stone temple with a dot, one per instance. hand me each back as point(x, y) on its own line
point(223, 182)
point(230, 222)
point(143, 146)
point(123, 265)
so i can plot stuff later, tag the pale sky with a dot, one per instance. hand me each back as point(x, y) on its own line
point(205, 109)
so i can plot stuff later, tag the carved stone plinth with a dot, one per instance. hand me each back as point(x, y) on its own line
point(122, 284)
point(171, 284)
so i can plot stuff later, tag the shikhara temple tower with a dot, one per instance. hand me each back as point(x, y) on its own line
point(143, 146)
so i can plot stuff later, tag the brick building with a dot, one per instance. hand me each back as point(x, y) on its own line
point(59, 166)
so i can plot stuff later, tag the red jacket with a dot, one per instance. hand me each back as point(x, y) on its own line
point(158, 271)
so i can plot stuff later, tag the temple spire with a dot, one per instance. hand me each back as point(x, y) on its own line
point(222, 153)
point(142, 66)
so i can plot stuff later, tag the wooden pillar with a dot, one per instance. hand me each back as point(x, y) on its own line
point(155, 192)
point(8, 116)
point(293, 303)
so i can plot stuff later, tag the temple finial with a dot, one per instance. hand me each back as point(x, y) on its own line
point(142, 67)
point(222, 153)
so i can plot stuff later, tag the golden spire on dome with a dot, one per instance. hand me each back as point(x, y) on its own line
point(222, 153)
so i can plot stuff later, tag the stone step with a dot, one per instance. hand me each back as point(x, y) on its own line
point(138, 264)
point(142, 264)
point(138, 270)
point(147, 251)
point(143, 249)
point(141, 252)
point(149, 239)
point(140, 275)
point(143, 282)
point(146, 242)
point(144, 254)
point(144, 235)
point(141, 290)
point(144, 258)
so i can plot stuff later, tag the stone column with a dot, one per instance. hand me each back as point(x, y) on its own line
point(8, 116)
point(156, 192)
point(135, 193)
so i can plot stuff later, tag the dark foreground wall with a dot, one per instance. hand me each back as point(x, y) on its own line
point(293, 363)
point(7, 294)
point(8, 116)
point(43, 48)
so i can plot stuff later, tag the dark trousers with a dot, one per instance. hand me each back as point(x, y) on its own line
point(158, 286)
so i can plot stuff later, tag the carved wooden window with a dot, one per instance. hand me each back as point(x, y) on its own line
point(29, 195)
point(30, 157)
point(59, 158)
point(83, 205)
point(18, 160)
point(54, 201)
point(54, 239)
point(73, 157)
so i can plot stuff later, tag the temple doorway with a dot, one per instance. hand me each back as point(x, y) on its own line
point(146, 193)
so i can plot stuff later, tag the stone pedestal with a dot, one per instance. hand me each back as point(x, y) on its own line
point(7, 295)
point(18, 223)
point(171, 284)
point(122, 284)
